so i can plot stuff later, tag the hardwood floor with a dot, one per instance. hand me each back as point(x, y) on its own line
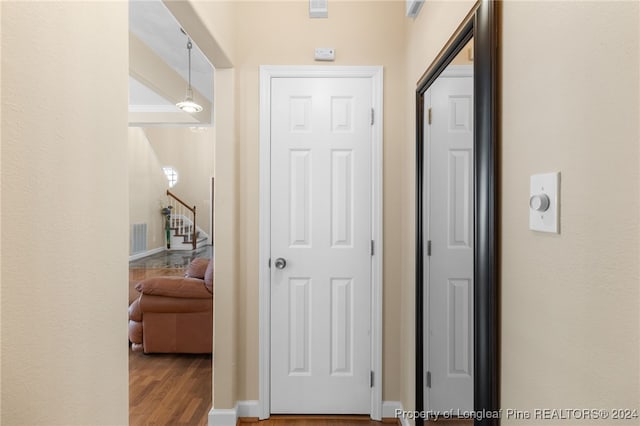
point(296, 420)
point(169, 389)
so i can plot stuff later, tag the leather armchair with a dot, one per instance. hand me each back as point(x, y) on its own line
point(173, 314)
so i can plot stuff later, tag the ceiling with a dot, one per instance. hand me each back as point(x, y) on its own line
point(152, 23)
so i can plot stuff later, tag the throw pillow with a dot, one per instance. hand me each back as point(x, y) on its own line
point(197, 268)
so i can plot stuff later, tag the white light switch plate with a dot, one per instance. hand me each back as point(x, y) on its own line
point(549, 220)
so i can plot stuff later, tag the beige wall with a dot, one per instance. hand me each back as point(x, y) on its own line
point(282, 34)
point(192, 155)
point(64, 213)
point(226, 231)
point(570, 302)
point(147, 188)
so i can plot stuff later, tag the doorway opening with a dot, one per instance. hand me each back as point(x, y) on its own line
point(171, 283)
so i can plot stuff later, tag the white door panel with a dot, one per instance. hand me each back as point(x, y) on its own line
point(449, 186)
point(321, 226)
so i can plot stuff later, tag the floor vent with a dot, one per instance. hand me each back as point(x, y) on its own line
point(138, 238)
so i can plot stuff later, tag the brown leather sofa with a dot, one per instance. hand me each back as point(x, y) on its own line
point(174, 314)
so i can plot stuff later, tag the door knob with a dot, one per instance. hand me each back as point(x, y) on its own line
point(281, 263)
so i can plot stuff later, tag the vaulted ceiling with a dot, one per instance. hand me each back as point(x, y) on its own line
point(158, 69)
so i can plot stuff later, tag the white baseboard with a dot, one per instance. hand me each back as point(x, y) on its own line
point(229, 417)
point(223, 417)
point(146, 253)
point(248, 409)
point(389, 410)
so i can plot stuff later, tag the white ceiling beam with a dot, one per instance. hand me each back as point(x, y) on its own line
point(193, 24)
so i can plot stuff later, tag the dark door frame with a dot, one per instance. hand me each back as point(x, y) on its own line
point(481, 26)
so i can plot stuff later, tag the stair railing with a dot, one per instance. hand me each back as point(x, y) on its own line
point(179, 210)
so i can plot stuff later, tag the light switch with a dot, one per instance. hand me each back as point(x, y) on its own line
point(544, 203)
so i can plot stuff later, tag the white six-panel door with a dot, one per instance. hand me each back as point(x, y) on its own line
point(321, 227)
point(449, 274)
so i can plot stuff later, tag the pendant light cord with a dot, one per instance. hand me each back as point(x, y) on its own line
point(189, 105)
point(189, 46)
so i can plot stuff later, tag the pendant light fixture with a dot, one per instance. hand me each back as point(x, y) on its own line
point(189, 105)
